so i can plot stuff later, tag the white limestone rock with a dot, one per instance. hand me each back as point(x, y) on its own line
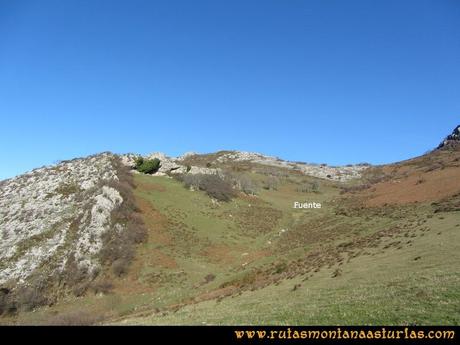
point(39, 210)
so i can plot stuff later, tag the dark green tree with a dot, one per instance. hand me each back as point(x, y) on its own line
point(149, 166)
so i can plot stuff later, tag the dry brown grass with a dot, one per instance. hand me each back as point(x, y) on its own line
point(74, 318)
point(220, 254)
point(257, 220)
point(437, 185)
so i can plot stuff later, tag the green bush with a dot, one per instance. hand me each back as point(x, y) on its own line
point(139, 162)
point(147, 166)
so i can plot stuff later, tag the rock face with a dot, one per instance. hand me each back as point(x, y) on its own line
point(168, 164)
point(129, 159)
point(51, 214)
point(452, 140)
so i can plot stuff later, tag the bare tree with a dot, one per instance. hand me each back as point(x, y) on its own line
point(247, 185)
point(271, 183)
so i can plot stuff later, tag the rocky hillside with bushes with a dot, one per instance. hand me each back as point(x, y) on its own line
point(213, 163)
point(73, 226)
point(61, 226)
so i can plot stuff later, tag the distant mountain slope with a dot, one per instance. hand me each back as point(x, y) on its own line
point(430, 178)
point(195, 163)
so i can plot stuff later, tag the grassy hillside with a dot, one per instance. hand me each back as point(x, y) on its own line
point(409, 275)
point(365, 257)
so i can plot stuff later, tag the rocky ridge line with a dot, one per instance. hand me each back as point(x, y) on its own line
point(176, 165)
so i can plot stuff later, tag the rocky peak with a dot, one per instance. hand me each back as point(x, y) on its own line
point(452, 140)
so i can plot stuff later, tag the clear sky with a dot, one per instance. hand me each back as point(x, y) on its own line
point(311, 80)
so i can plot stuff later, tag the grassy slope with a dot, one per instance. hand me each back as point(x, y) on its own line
point(231, 263)
point(389, 287)
point(416, 281)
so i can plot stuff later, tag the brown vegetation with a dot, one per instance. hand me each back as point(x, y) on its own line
point(214, 185)
point(118, 246)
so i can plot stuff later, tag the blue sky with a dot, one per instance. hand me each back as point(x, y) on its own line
point(320, 81)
